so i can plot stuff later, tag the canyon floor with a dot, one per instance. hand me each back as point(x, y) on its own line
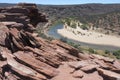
point(90, 36)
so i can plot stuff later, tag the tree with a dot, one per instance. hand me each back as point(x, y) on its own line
point(84, 27)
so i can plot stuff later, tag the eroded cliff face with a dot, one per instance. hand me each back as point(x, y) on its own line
point(25, 56)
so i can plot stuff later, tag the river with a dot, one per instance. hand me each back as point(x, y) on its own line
point(52, 32)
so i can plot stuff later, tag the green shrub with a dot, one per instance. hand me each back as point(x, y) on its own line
point(63, 39)
point(107, 52)
point(91, 50)
point(117, 54)
point(73, 26)
point(84, 27)
point(74, 45)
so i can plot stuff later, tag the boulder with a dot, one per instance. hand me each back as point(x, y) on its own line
point(84, 56)
point(116, 64)
point(90, 68)
point(22, 70)
point(78, 74)
point(65, 73)
point(30, 27)
point(35, 64)
point(2, 16)
point(106, 59)
point(51, 60)
point(93, 76)
point(3, 31)
point(102, 64)
point(116, 67)
point(71, 49)
point(16, 25)
point(3, 63)
point(109, 75)
point(80, 64)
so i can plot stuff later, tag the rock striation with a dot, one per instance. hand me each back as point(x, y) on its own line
point(25, 56)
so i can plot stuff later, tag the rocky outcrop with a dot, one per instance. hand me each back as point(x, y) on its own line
point(25, 56)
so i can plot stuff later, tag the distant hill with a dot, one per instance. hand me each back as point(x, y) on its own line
point(105, 16)
point(6, 4)
point(78, 10)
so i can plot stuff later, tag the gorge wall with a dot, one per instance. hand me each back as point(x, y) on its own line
point(104, 16)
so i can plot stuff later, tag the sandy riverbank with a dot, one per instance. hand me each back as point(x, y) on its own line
point(90, 37)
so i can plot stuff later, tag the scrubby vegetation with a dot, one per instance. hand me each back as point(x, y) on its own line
point(71, 22)
point(73, 25)
point(84, 26)
point(117, 54)
point(106, 53)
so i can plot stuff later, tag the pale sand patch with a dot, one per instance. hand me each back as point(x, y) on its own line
point(90, 37)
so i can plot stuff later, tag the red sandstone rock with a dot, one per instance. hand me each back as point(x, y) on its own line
point(80, 64)
point(3, 31)
point(116, 64)
point(108, 74)
point(65, 73)
point(51, 60)
point(78, 74)
point(89, 68)
point(103, 58)
point(36, 64)
point(71, 50)
point(2, 63)
point(22, 70)
point(93, 76)
point(101, 63)
point(84, 56)
point(2, 16)
point(16, 10)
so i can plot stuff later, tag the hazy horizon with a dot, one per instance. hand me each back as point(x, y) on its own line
point(63, 2)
